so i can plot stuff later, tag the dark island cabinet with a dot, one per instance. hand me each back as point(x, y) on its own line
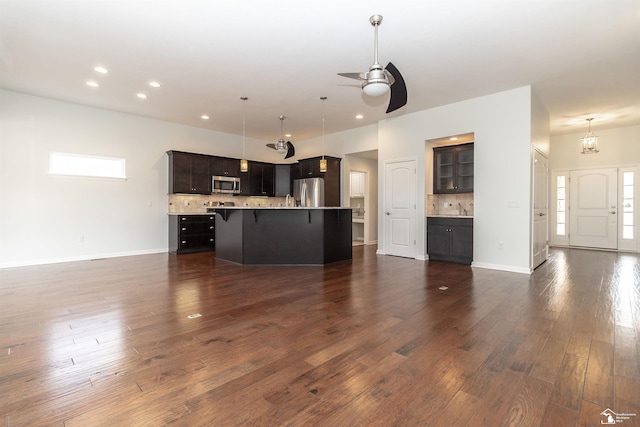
point(450, 239)
point(191, 233)
point(262, 179)
point(189, 173)
point(453, 169)
point(225, 166)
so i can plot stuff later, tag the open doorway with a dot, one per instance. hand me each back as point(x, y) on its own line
point(361, 194)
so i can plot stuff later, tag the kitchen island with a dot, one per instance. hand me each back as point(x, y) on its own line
point(283, 235)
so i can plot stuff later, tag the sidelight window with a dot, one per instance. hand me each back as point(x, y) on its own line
point(627, 204)
point(561, 205)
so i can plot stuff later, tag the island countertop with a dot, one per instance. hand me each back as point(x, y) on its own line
point(212, 209)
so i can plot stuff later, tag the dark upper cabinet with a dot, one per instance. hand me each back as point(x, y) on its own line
point(283, 180)
point(309, 168)
point(189, 173)
point(225, 166)
point(453, 169)
point(262, 179)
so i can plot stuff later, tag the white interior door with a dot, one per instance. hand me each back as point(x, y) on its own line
point(540, 250)
point(593, 213)
point(400, 208)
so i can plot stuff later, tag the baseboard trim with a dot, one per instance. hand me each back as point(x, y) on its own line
point(28, 263)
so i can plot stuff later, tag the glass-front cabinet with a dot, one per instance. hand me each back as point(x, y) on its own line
point(453, 169)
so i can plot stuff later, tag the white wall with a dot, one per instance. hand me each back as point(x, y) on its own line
point(43, 218)
point(502, 126)
point(618, 147)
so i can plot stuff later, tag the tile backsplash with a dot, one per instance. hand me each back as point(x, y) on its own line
point(197, 203)
point(450, 204)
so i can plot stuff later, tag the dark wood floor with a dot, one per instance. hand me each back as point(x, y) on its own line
point(372, 342)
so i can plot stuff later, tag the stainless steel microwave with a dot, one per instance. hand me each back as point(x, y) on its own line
point(226, 184)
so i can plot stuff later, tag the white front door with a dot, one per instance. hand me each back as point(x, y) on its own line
point(540, 250)
point(400, 208)
point(593, 213)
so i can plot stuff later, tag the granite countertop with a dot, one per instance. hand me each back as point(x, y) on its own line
point(277, 207)
point(448, 216)
point(255, 208)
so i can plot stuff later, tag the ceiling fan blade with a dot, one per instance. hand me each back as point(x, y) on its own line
point(398, 89)
point(291, 151)
point(272, 146)
point(357, 76)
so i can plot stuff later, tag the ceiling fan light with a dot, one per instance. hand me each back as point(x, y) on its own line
point(281, 146)
point(375, 88)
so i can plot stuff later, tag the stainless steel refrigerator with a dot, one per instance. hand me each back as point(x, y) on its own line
point(309, 192)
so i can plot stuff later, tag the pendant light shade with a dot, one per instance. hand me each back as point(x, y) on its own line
point(244, 163)
point(589, 141)
point(323, 161)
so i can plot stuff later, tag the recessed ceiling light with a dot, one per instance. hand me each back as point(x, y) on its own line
point(141, 96)
point(101, 70)
point(453, 138)
point(154, 84)
point(92, 84)
point(288, 135)
point(359, 116)
point(204, 117)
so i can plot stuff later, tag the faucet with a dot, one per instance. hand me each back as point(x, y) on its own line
point(460, 209)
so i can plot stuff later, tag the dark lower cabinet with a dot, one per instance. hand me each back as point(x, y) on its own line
point(450, 239)
point(191, 233)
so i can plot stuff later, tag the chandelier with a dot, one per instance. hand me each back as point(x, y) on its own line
point(589, 141)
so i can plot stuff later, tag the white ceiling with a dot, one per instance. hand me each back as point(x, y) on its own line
point(582, 58)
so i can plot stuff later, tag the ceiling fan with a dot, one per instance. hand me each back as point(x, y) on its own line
point(377, 81)
point(281, 146)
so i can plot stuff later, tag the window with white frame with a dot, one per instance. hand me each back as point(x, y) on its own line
point(86, 165)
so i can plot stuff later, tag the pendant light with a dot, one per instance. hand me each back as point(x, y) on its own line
point(323, 161)
point(589, 141)
point(244, 164)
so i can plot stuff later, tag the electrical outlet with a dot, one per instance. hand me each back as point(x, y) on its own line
point(186, 203)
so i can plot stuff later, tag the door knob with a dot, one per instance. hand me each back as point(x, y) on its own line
point(541, 214)
point(387, 213)
point(612, 212)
